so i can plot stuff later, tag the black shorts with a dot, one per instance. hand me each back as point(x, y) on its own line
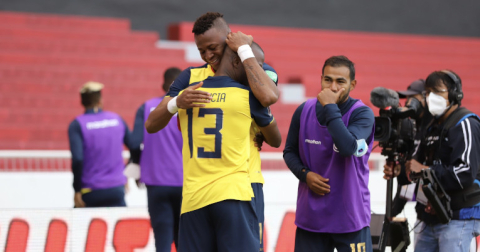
point(359, 241)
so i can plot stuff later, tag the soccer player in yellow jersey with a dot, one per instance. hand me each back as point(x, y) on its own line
point(212, 35)
point(217, 209)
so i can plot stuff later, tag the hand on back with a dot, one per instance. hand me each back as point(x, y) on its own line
point(192, 97)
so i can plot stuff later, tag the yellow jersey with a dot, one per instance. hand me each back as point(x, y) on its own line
point(198, 74)
point(216, 144)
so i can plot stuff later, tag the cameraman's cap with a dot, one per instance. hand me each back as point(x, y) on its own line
point(91, 87)
point(417, 87)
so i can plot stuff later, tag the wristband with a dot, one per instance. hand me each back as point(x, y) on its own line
point(172, 105)
point(245, 52)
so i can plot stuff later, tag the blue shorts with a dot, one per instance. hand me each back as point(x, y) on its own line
point(227, 226)
point(164, 204)
point(258, 203)
point(108, 197)
point(306, 241)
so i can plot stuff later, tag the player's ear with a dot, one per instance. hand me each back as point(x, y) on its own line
point(353, 84)
point(236, 61)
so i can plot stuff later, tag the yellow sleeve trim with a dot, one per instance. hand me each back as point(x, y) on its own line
point(85, 190)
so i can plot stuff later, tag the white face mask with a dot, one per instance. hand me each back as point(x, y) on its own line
point(436, 104)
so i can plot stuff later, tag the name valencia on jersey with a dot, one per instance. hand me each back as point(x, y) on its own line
point(219, 97)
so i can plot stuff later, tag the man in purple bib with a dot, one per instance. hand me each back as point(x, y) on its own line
point(328, 145)
point(161, 169)
point(96, 142)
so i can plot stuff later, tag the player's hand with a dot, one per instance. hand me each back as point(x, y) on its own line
point(391, 170)
point(413, 166)
point(191, 97)
point(77, 200)
point(236, 39)
point(258, 140)
point(317, 183)
point(327, 96)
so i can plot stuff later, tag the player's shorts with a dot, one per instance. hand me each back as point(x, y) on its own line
point(259, 206)
point(108, 197)
point(306, 241)
point(227, 226)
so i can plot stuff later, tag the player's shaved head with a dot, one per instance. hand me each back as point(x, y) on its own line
point(209, 20)
point(258, 52)
point(232, 66)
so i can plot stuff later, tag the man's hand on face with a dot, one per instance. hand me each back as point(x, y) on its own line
point(327, 96)
point(191, 97)
point(317, 183)
point(236, 39)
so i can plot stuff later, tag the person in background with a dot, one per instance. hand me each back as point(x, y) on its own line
point(161, 169)
point(328, 145)
point(96, 141)
point(414, 96)
point(450, 148)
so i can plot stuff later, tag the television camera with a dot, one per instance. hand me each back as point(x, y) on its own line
point(395, 131)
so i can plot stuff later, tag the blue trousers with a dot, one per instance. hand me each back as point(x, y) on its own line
point(164, 204)
point(452, 237)
point(109, 197)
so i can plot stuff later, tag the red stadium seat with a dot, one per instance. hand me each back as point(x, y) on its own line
point(45, 58)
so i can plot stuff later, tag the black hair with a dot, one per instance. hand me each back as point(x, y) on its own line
point(336, 61)
point(90, 99)
point(169, 76)
point(205, 22)
point(436, 78)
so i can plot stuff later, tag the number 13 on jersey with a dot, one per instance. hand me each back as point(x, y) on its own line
point(201, 153)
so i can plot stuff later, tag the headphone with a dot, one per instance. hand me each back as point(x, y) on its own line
point(455, 95)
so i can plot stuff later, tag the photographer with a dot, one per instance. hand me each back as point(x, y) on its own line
point(422, 117)
point(450, 148)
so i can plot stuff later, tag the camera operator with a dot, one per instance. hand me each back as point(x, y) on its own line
point(422, 117)
point(450, 148)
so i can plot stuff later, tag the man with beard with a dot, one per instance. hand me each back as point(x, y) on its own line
point(328, 145)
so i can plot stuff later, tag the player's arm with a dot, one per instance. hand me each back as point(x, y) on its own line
point(190, 98)
point(266, 123)
point(349, 140)
point(271, 134)
point(137, 135)
point(262, 86)
point(76, 148)
point(291, 152)
point(291, 155)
